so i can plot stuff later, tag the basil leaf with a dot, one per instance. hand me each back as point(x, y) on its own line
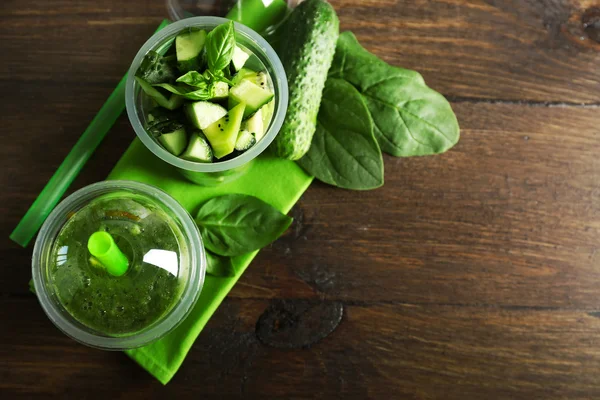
point(219, 76)
point(410, 119)
point(344, 152)
point(187, 92)
point(194, 78)
point(236, 224)
point(220, 44)
point(157, 69)
point(219, 265)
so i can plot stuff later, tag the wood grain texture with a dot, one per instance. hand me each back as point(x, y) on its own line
point(378, 351)
point(470, 275)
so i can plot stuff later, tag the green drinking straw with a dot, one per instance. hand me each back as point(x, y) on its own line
point(72, 164)
point(102, 246)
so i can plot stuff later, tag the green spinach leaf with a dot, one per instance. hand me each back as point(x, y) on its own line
point(188, 92)
point(220, 44)
point(219, 265)
point(410, 119)
point(236, 224)
point(344, 152)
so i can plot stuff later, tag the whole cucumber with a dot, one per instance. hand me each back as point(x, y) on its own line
point(306, 48)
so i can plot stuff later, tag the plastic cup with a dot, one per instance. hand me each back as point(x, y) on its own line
point(190, 264)
point(208, 174)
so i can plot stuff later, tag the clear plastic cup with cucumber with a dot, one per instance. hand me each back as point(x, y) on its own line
point(207, 95)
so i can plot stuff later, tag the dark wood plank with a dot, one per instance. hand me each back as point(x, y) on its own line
point(378, 351)
point(487, 49)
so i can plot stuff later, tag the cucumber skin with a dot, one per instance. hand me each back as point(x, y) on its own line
point(306, 50)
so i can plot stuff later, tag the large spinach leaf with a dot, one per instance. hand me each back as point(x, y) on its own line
point(410, 119)
point(220, 44)
point(219, 265)
point(344, 151)
point(236, 224)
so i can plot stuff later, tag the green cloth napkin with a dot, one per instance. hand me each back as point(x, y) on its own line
point(278, 182)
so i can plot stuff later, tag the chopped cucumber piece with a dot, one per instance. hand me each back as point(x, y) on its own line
point(160, 114)
point(267, 114)
point(242, 74)
point(174, 142)
point(239, 58)
point(251, 94)
point(245, 140)
point(189, 45)
point(255, 125)
point(198, 149)
point(173, 102)
point(223, 134)
point(260, 79)
point(221, 91)
point(167, 126)
point(157, 69)
point(202, 114)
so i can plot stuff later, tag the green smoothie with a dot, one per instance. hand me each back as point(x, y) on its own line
point(118, 305)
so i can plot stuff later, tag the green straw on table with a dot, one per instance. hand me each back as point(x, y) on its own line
point(72, 164)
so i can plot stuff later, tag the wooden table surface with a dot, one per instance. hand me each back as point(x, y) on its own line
point(470, 275)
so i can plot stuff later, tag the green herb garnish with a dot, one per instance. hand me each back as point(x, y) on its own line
point(220, 44)
point(237, 224)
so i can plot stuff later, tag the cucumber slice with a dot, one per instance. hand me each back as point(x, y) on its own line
point(223, 134)
point(157, 69)
point(239, 58)
point(171, 103)
point(245, 140)
point(267, 114)
point(242, 74)
point(260, 79)
point(251, 94)
point(189, 45)
point(198, 149)
point(221, 91)
point(167, 126)
point(255, 125)
point(160, 114)
point(202, 114)
point(174, 142)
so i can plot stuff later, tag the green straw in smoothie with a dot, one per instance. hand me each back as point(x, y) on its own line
point(102, 246)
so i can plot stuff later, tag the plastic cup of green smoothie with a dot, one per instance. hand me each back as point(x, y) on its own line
point(118, 265)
